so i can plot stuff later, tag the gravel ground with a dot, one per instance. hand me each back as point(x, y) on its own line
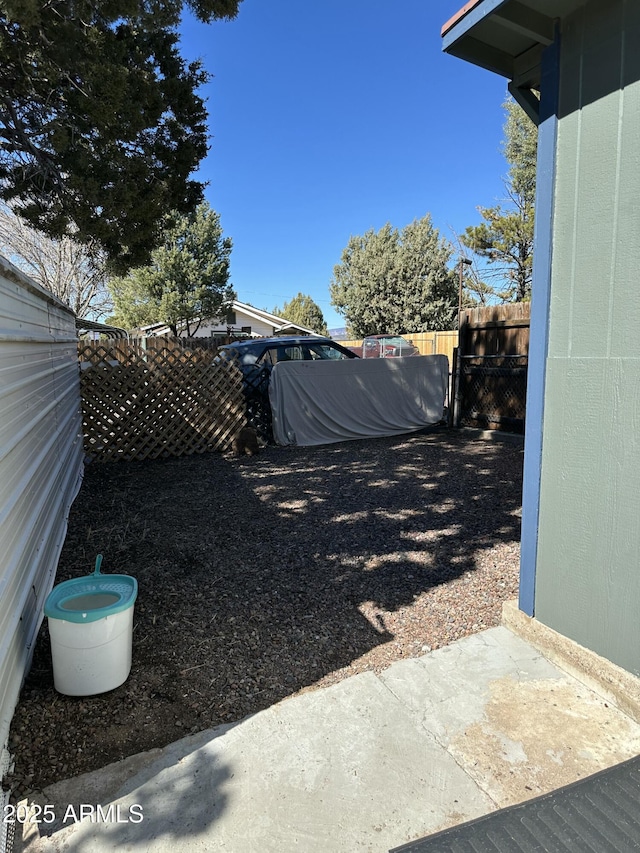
point(261, 578)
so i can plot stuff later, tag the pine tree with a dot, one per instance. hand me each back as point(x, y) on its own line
point(303, 311)
point(187, 281)
point(390, 281)
point(505, 237)
point(101, 125)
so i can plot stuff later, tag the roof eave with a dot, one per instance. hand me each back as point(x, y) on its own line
point(506, 37)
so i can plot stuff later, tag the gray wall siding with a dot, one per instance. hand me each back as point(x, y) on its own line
point(40, 464)
point(588, 565)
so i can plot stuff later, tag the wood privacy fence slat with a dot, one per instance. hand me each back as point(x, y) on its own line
point(143, 404)
point(495, 329)
point(434, 343)
point(429, 343)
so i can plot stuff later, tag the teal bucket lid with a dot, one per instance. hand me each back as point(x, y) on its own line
point(91, 597)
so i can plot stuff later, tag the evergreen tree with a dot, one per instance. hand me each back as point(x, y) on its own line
point(505, 237)
point(100, 123)
point(303, 311)
point(187, 281)
point(390, 281)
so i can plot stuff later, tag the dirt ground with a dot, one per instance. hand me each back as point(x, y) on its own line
point(263, 577)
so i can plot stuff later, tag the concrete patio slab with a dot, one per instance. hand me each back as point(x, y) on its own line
point(365, 765)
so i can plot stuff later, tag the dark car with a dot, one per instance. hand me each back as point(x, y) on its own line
point(257, 357)
point(261, 354)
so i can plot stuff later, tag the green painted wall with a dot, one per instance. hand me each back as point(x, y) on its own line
point(588, 564)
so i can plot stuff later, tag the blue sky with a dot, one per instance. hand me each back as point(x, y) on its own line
point(331, 118)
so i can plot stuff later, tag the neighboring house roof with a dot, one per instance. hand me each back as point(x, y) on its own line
point(279, 324)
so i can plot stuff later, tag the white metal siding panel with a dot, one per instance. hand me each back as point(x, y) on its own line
point(40, 464)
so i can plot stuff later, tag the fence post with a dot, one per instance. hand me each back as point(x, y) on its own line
point(457, 394)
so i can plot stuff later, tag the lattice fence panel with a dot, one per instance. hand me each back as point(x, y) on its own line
point(144, 404)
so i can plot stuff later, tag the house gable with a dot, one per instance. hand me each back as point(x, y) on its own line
point(247, 320)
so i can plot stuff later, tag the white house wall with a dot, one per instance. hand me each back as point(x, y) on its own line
point(40, 464)
point(259, 328)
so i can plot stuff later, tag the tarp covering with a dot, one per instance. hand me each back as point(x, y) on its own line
point(321, 402)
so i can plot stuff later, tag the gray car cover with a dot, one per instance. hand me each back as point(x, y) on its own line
point(324, 401)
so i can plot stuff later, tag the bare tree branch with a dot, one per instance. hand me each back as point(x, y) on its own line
point(74, 273)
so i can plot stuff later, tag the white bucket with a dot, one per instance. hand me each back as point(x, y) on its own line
point(91, 628)
point(91, 658)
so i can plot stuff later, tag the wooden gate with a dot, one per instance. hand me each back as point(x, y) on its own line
point(491, 367)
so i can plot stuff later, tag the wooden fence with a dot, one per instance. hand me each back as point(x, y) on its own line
point(429, 343)
point(495, 330)
point(142, 403)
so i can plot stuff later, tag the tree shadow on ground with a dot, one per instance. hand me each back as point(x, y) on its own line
point(262, 577)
